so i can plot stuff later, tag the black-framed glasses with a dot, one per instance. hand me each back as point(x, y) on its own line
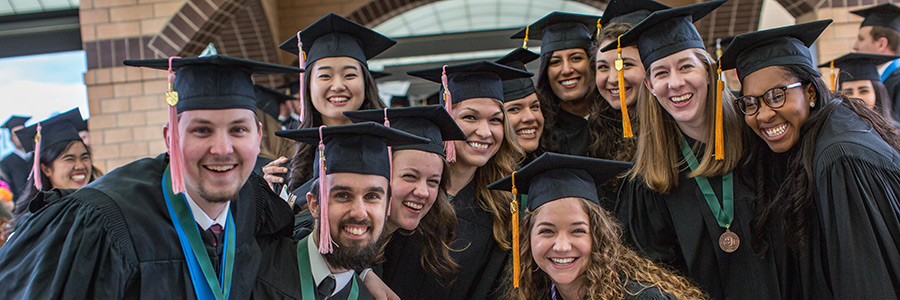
point(774, 98)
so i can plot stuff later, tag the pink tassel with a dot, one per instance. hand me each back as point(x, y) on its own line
point(176, 157)
point(36, 166)
point(302, 59)
point(324, 227)
point(449, 146)
point(387, 123)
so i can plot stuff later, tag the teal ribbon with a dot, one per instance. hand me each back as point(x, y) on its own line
point(724, 213)
point(206, 284)
point(308, 285)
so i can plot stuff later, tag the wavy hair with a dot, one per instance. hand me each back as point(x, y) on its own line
point(550, 102)
point(611, 264)
point(793, 199)
point(658, 146)
point(301, 163)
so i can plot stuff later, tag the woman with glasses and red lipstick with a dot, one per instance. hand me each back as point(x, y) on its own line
point(826, 168)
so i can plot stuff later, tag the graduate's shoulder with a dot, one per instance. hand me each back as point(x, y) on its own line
point(847, 137)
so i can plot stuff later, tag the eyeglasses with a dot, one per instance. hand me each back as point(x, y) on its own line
point(774, 98)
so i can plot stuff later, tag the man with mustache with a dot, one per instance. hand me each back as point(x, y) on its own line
point(182, 225)
point(349, 200)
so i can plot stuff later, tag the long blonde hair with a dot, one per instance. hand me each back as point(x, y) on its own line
point(500, 165)
point(610, 267)
point(658, 147)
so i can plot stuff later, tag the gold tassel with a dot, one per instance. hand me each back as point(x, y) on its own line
point(598, 29)
point(720, 128)
point(525, 42)
point(514, 209)
point(620, 67)
point(833, 78)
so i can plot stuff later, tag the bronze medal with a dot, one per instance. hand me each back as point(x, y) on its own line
point(729, 241)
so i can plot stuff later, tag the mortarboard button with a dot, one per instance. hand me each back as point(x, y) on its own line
point(560, 31)
point(788, 45)
point(473, 80)
point(430, 121)
point(15, 121)
point(629, 11)
point(336, 36)
point(859, 66)
point(515, 89)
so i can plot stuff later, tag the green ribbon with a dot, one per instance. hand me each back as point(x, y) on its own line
point(724, 213)
point(308, 285)
point(189, 236)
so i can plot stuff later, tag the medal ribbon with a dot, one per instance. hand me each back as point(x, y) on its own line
point(203, 276)
point(308, 285)
point(724, 213)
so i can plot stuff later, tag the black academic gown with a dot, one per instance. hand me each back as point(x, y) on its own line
point(853, 251)
point(279, 274)
point(113, 239)
point(483, 261)
point(16, 170)
point(680, 231)
point(572, 134)
point(892, 83)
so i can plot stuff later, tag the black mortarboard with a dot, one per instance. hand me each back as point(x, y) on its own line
point(431, 122)
point(788, 45)
point(560, 30)
point(73, 116)
point(887, 15)
point(554, 176)
point(293, 87)
point(214, 82)
point(15, 121)
point(481, 79)
point(515, 89)
point(53, 130)
point(403, 101)
point(269, 100)
point(379, 75)
point(335, 36)
point(859, 66)
point(356, 148)
point(629, 11)
point(666, 32)
point(433, 98)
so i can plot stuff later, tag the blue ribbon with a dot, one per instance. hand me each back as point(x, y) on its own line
point(895, 64)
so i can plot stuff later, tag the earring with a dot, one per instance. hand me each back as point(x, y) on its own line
point(812, 104)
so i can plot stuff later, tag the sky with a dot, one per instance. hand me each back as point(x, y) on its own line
point(41, 86)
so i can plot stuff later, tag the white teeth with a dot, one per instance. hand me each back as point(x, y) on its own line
point(526, 132)
point(681, 98)
point(569, 82)
point(562, 261)
point(78, 177)
point(615, 92)
point(220, 168)
point(355, 230)
point(415, 206)
point(477, 145)
point(776, 131)
point(338, 99)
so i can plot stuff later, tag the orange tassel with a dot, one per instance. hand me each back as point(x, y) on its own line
point(833, 78)
point(620, 67)
point(525, 42)
point(598, 28)
point(720, 129)
point(514, 209)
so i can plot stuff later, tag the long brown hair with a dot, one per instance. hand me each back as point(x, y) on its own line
point(611, 264)
point(501, 164)
point(656, 159)
point(550, 102)
point(304, 156)
point(606, 121)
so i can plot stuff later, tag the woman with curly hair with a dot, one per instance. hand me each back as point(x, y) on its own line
point(826, 168)
point(686, 204)
point(571, 246)
point(473, 94)
point(522, 104)
point(337, 79)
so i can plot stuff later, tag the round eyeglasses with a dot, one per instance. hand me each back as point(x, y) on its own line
point(774, 98)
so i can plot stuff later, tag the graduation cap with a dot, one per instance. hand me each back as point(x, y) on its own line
point(73, 116)
point(481, 79)
point(430, 121)
point(559, 31)
point(335, 36)
point(379, 75)
point(208, 82)
point(47, 133)
point(720, 44)
point(666, 32)
point(788, 45)
point(552, 177)
point(359, 148)
point(515, 89)
point(15, 121)
point(858, 66)
point(269, 100)
point(629, 11)
point(887, 15)
point(403, 101)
